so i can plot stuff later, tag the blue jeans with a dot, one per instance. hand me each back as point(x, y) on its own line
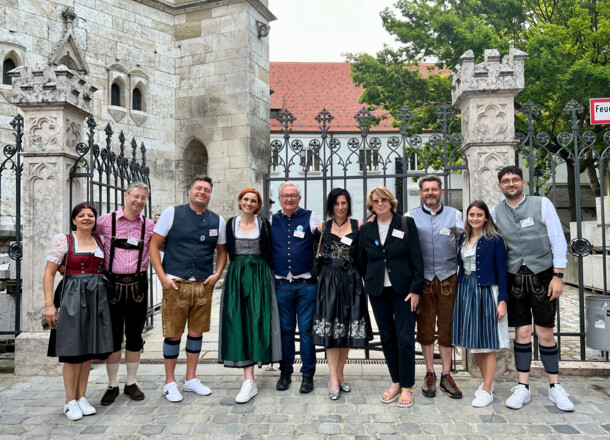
point(296, 301)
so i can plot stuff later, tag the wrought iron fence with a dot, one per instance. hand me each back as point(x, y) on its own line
point(555, 167)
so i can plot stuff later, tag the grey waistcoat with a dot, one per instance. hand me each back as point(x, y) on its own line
point(527, 246)
point(439, 250)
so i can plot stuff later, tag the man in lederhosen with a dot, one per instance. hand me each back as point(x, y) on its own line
point(127, 235)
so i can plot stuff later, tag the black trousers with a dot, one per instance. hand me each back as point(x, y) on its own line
point(128, 300)
point(396, 324)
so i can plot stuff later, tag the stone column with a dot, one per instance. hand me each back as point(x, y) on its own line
point(485, 95)
point(54, 102)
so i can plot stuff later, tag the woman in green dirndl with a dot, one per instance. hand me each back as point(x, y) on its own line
point(249, 319)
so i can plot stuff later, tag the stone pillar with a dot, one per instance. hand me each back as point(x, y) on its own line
point(54, 102)
point(485, 95)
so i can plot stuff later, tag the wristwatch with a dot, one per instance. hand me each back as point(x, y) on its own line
point(558, 274)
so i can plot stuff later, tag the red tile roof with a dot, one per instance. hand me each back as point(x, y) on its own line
point(306, 88)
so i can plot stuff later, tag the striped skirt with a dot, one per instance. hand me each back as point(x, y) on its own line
point(475, 325)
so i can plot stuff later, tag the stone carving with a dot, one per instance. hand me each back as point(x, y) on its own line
point(33, 86)
point(73, 135)
point(68, 50)
point(508, 75)
point(485, 179)
point(492, 122)
point(43, 132)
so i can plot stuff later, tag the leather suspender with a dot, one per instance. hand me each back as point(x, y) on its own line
point(113, 240)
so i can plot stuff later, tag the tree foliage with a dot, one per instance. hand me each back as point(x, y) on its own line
point(568, 42)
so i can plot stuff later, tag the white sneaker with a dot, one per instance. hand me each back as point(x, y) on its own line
point(171, 393)
point(481, 387)
point(482, 399)
point(521, 395)
point(196, 387)
point(85, 407)
point(247, 392)
point(72, 410)
point(559, 397)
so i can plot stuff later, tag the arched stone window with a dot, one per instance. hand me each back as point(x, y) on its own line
point(7, 66)
point(115, 95)
point(136, 99)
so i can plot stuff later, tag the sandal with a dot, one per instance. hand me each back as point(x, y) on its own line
point(405, 403)
point(390, 395)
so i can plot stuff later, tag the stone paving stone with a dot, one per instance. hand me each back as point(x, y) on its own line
point(95, 429)
point(329, 428)
point(380, 428)
point(565, 429)
point(12, 420)
point(353, 429)
point(492, 418)
point(178, 429)
point(357, 418)
point(408, 428)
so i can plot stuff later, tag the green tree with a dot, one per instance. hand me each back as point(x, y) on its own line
point(568, 42)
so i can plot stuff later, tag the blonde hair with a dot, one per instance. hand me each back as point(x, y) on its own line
point(384, 193)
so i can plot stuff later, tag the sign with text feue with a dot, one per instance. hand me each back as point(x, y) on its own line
point(600, 111)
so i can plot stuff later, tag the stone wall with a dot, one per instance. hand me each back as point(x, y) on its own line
point(201, 68)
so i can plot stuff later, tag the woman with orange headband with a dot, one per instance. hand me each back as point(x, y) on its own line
point(249, 319)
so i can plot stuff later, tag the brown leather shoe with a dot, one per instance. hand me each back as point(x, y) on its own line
point(429, 388)
point(449, 386)
point(134, 392)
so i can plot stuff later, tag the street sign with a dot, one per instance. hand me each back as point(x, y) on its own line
point(600, 111)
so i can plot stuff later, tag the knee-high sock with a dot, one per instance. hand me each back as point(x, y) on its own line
point(132, 370)
point(112, 370)
point(549, 356)
point(523, 357)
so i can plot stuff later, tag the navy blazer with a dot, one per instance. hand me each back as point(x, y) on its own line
point(491, 264)
point(403, 258)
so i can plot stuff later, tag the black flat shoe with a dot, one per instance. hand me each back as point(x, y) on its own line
point(110, 395)
point(306, 385)
point(284, 383)
point(134, 392)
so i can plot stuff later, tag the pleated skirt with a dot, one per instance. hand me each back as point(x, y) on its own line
point(475, 325)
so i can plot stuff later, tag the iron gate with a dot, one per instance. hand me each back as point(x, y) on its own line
point(106, 175)
point(553, 168)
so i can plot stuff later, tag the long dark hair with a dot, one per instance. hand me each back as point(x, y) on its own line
point(77, 209)
point(489, 229)
point(333, 195)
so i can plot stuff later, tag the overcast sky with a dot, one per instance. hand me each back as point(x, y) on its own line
point(322, 30)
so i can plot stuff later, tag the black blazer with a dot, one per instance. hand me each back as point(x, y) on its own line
point(403, 258)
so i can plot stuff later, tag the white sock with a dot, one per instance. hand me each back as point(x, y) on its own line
point(112, 370)
point(132, 369)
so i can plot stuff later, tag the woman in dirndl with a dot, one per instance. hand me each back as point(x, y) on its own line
point(249, 318)
point(479, 314)
point(79, 311)
point(341, 320)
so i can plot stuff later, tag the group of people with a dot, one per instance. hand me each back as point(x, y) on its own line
point(426, 267)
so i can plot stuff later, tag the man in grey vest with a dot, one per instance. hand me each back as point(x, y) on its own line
point(190, 234)
point(536, 250)
point(439, 228)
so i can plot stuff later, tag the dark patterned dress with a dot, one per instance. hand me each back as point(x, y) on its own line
point(341, 318)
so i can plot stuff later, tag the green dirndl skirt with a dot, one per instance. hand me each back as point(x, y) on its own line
point(249, 320)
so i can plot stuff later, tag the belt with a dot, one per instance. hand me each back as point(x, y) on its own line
point(300, 280)
point(468, 272)
point(127, 278)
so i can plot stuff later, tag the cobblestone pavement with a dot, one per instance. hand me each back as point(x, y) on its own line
point(31, 407)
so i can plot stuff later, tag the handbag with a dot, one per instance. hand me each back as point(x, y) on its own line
point(318, 260)
point(61, 287)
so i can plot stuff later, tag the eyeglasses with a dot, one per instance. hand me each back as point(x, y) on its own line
point(514, 180)
point(289, 196)
point(138, 198)
point(380, 201)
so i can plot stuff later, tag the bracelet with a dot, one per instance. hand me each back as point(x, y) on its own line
point(49, 305)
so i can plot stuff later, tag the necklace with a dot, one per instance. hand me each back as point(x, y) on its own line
point(339, 226)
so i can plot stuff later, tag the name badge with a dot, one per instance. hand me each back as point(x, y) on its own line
point(445, 231)
point(133, 241)
point(299, 234)
point(397, 233)
point(527, 222)
point(213, 232)
point(346, 240)
point(468, 252)
point(98, 253)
